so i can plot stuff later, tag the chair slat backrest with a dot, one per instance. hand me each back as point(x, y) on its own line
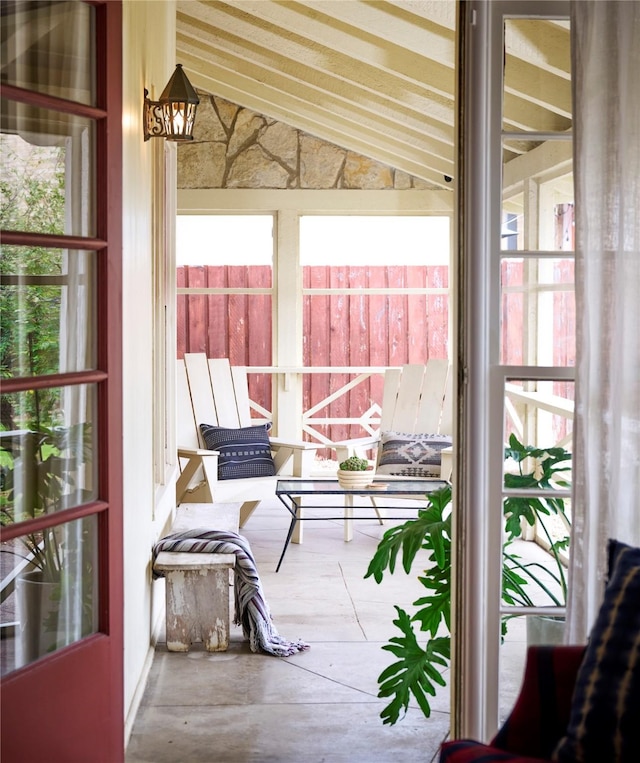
point(415, 399)
point(224, 396)
point(241, 388)
point(186, 427)
point(202, 400)
point(446, 422)
point(210, 392)
point(432, 397)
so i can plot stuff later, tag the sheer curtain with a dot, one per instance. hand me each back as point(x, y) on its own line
point(606, 500)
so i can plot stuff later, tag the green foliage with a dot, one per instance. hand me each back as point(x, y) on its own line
point(419, 669)
point(354, 464)
point(416, 672)
point(37, 478)
point(32, 198)
point(547, 470)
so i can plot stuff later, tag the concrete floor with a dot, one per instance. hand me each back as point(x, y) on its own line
point(317, 706)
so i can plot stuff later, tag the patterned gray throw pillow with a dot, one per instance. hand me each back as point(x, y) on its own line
point(412, 455)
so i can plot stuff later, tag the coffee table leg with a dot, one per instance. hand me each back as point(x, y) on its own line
point(294, 521)
point(348, 518)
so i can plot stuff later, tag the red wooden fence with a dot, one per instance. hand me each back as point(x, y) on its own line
point(339, 330)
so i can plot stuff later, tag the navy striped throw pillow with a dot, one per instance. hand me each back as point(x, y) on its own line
point(244, 452)
point(605, 711)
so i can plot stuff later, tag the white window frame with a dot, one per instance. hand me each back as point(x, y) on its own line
point(164, 168)
point(478, 468)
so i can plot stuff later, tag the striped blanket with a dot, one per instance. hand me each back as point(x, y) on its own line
point(251, 608)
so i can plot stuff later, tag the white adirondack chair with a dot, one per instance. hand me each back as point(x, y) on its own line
point(210, 391)
point(416, 399)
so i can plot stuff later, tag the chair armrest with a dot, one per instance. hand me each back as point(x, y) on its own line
point(191, 452)
point(356, 447)
point(299, 453)
point(359, 442)
point(199, 473)
point(540, 715)
point(278, 442)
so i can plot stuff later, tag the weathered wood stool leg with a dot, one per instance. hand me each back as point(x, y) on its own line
point(197, 598)
point(198, 609)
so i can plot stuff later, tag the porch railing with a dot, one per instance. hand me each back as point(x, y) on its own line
point(292, 419)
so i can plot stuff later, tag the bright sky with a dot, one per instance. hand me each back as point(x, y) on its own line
point(324, 240)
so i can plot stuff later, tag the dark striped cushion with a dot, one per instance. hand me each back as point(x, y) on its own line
point(244, 452)
point(605, 712)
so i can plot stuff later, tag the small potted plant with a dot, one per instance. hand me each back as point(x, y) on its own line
point(354, 473)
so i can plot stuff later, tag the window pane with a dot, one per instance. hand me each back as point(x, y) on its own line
point(538, 312)
point(521, 632)
point(374, 240)
point(47, 47)
point(233, 253)
point(205, 240)
point(537, 207)
point(539, 413)
point(47, 171)
point(50, 598)
point(47, 301)
point(537, 86)
point(48, 463)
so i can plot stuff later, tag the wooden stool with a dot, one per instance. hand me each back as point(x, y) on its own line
point(198, 585)
point(197, 595)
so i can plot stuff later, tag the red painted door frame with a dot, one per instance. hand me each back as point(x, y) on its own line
point(69, 707)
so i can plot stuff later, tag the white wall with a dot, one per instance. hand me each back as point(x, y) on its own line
point(148, 61)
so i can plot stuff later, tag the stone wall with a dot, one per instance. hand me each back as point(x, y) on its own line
point(234, 147)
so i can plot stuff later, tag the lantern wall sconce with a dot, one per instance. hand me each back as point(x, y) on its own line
point(173, 116)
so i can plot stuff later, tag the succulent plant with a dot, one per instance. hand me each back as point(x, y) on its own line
point(354, 464)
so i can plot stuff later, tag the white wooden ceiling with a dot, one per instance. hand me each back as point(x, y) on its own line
point(372, 76)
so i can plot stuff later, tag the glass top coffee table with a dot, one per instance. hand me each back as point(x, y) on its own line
point(290, 492)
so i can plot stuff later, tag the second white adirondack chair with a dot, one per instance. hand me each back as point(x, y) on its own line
point(210, 391)
point(416, 399)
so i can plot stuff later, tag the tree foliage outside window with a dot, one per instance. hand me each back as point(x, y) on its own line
point(32, 198)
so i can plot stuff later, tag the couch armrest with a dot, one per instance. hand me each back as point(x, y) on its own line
point(540, 715)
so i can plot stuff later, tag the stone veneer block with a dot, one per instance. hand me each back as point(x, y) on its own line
point(201, 165)
point(282, 141)
point(254, 169)
point(247, 130)
point(360, 172)
point(320, 163)
point(207, 125)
